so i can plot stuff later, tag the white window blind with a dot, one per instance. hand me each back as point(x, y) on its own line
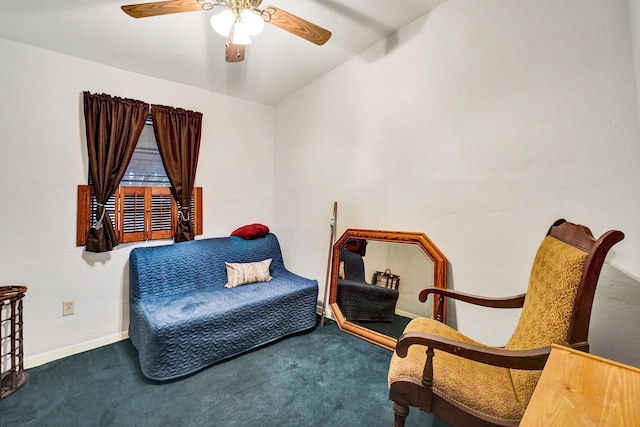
point(146, 168)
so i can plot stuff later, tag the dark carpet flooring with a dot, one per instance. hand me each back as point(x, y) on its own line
point(321, 378)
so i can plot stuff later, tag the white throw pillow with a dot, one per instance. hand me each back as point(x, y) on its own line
point(249, 272)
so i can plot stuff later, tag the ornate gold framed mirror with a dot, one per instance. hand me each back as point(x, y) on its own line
point(376, 277)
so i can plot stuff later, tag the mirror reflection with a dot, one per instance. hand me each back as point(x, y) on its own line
point(376, 280)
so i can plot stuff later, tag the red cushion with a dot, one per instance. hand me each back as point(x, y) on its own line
point(251, 231)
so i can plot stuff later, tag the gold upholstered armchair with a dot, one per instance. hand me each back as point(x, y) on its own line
point(437, 369)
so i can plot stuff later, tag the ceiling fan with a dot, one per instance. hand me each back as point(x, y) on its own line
point(239, 20)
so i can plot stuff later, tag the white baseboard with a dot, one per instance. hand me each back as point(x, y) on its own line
point(60, 353)
point(50, 356)
point(327, 313)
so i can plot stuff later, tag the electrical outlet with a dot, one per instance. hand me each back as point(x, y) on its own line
point(67, 307)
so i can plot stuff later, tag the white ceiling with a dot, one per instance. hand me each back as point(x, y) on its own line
point(183, 47)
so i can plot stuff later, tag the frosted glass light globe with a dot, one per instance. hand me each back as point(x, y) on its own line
point(223, 22)
point(253, 21)
point(240, 34)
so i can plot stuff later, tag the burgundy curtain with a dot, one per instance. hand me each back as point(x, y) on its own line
point(178, 135)
point(113, 126)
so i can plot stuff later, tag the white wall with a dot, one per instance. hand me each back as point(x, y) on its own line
point(478, 124)
point(44, 157)
point(634, 14)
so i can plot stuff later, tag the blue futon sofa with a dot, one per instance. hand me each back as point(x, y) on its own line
point(182, 318)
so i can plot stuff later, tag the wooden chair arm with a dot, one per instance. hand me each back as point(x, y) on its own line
point(516, 301)
point(515, 359)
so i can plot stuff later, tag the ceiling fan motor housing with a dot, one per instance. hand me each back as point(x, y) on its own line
point(235, 6)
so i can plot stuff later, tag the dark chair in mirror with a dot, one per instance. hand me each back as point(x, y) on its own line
point(359, 300)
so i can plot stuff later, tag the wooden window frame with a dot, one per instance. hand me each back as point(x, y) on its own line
point(85, 214)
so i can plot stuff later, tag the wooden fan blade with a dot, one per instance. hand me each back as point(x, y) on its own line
point(143, 10)
point(234, 52)
point(295, 25)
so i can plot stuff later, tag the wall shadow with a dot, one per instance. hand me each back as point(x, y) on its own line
point(616, 316)
point(452, 318)
point(124, 321)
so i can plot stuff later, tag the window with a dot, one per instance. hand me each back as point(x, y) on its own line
point(145, 168)
point(142, 207)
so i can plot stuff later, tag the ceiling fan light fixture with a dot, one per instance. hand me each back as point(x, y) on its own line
point(223, 22)
point(240, 34)
point(237, 22)
point(254, 22)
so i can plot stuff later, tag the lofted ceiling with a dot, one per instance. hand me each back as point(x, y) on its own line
point(184, 48)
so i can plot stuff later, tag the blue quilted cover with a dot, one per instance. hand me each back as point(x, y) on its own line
point(182, 318)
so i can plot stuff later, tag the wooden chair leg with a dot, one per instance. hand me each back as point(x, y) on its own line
point(400, 414)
